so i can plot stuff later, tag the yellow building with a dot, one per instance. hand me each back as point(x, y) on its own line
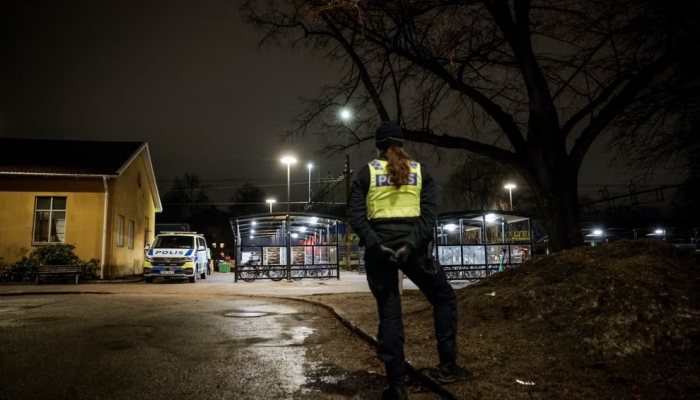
point(100, 197)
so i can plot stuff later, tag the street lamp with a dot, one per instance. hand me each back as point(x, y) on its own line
point(288, 223)
point(345, 114)
point(289, 161)
point(271, 201)
point(310, 166)
point(510, 187)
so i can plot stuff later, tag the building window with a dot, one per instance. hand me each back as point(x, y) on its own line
point(120, 232)
point(131, 234)
point(49, 220)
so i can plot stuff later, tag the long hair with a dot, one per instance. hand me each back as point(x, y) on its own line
point(399, 166)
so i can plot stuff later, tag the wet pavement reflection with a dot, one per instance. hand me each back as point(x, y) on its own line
point(177, 347)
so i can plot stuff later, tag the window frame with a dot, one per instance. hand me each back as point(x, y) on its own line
point(51, 211)
point(120, 231)
point(132, 232)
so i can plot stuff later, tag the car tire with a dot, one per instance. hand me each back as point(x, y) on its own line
point(193, 278)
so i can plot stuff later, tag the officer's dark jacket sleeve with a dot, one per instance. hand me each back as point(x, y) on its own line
point(422, 232)
point(357, 209)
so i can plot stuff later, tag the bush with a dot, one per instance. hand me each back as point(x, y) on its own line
point(51, 254)
point(17, 272)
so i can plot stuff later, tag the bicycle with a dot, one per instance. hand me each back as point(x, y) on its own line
point(252, 270)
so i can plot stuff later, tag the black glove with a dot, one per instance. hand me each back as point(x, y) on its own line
point(401, 255)
point(387, 252)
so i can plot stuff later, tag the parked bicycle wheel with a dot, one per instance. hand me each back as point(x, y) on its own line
point(248, 273)
point(323, 273)
point(298, 274)
point(276, 274)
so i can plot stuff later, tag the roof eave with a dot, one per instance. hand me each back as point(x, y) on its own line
point(58, 175)
point(149, 171)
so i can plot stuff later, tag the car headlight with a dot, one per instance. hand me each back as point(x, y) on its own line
point(146, 270)
point(190, 259)
point(149, 259)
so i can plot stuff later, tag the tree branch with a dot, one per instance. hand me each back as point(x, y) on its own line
point(362, 69)
point(616, 106)
point(455, 142)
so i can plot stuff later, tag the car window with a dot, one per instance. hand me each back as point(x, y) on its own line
point(173, 242)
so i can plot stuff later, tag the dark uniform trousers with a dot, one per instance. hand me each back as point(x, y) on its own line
point(430, 278)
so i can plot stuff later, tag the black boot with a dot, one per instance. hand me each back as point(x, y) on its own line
point(395, 392)
point(449, 373)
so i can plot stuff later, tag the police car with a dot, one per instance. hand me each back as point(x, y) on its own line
point(177, 255)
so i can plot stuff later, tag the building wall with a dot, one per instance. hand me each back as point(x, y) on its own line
point(84, 213)
point(134, 203)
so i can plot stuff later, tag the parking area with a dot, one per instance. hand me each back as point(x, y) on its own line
point(217, 284)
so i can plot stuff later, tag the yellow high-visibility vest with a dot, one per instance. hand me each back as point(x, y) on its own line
point(386, 201)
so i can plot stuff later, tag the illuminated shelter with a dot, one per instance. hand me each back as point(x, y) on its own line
point(279, 246)
point(474, 244)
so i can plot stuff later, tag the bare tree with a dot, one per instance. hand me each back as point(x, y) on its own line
point(477, 184)
point(248, 199)
point(185, 198)
point(531, 84)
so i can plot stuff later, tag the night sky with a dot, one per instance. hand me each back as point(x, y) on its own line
point(185, 76)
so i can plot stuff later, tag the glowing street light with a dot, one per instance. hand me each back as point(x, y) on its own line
point(289, 161)
point(510, 187)
point(271, 201)
point(661, 232)
point(345, 114)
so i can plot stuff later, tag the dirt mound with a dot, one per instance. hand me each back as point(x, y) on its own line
point(616, 300)
point(630, 309)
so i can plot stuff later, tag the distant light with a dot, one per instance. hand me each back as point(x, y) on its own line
point(254, 223)
point(303, 229)
point(450, 227)
point(314, 220)
point(597, 232)
point(251, 236)
point(659, 231)
point(490, 217)
point(509, 186)
point(252, 231)
point(345, 114)
point(288, 160)
point(271, 200)
point(309, 166)
point(295, 235)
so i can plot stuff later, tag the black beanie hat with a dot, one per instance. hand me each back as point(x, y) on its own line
point(389, 134)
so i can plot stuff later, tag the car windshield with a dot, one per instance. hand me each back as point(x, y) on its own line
point(173, 242)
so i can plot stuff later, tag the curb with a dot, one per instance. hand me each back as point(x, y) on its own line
point(412, 372)
point(48, 293)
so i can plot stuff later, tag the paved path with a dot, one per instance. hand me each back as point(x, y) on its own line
point(217, 284)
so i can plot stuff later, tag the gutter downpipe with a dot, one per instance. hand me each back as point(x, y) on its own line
point(104, 229)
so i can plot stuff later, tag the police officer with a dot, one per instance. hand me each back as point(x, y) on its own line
point(393, 208)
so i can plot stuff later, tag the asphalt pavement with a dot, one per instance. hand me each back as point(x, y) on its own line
point(215, 284)
point(135, 347)
point(178, 340)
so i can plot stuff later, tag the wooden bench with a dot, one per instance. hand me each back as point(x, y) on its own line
point(57, 270)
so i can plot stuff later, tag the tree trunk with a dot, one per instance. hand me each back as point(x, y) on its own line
point(557, 201)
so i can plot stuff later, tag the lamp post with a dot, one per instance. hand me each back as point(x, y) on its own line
point(310, 166)
point(271, 201)
point(288, 223)
point(510, 187)
point(289, 161)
